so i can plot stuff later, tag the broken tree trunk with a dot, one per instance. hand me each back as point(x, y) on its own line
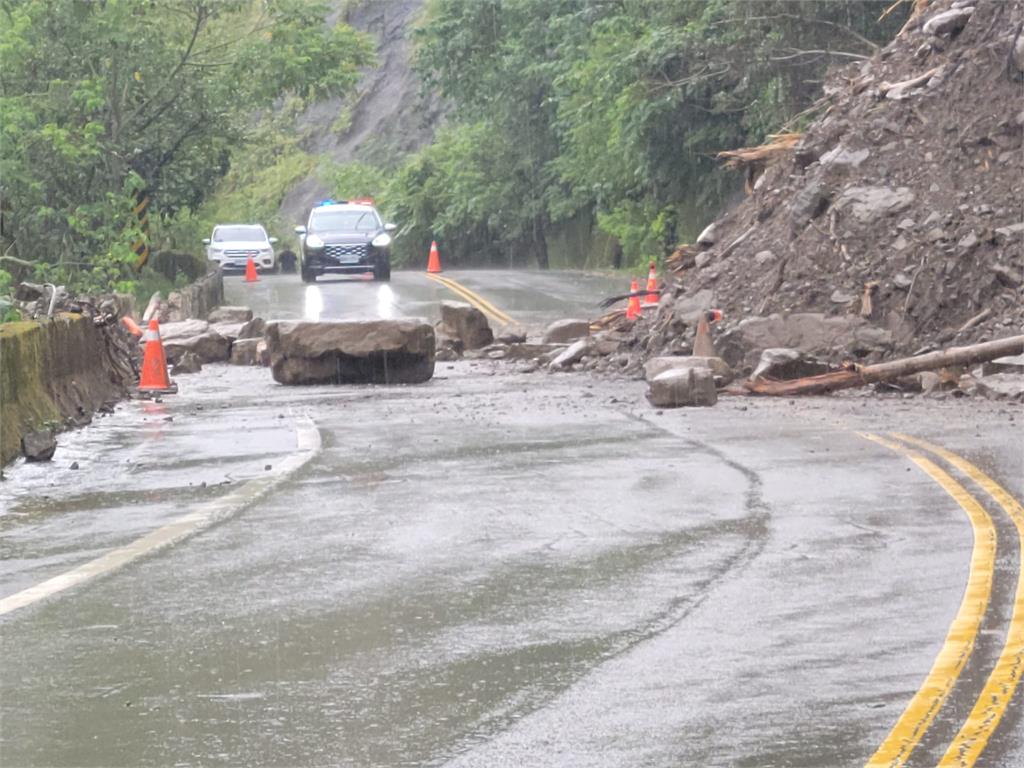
point(869, 374)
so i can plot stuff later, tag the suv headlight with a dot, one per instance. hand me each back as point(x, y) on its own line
point(312, 241)
point(383, 240)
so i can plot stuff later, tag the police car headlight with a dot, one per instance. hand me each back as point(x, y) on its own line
point(312, 241)
point(383, 240)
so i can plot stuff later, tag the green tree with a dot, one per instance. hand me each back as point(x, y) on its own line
point(98, 99)
point(617, 108)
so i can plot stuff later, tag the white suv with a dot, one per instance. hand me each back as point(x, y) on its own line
point(231, 246)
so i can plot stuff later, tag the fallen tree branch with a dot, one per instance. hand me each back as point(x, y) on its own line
point(19, 262)
point(983, 315)
point(906, 85)
point(870, 374)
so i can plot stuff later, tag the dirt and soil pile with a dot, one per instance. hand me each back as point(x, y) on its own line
point(898, 215)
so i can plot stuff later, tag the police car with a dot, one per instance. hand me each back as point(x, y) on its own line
point(345, 237)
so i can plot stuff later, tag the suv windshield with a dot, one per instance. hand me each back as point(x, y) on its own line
point(344, 221)
point(244, 234)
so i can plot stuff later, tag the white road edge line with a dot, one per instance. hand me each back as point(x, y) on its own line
point(208, 514)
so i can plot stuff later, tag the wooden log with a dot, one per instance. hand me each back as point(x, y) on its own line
point(870, 374)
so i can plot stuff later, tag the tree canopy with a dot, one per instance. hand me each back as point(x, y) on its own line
point(611, 108)
point(101, 99)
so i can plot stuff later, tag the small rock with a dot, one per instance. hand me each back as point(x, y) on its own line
point(511, 334)
point(905, 224)
point(783, 363)
point(902, 281)
point(1011, 364)
point(867, 204)
point(244, 352)
point(1009, 234)
point(39, 445)
point(840, 296)
point(74, 465)
point(841, 157)
point(764, 257)
point(968, 242)
point(1007, 275)
point(572, 354)
point(708, 236)
point(809, 203)
point(1002, 386)
point(189, 362)
point(564, 331)
point(948, 22)
point(466, 323)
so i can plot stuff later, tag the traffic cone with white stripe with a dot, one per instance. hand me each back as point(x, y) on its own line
point(652, 286)
point(633, 308)
point(434, 260)
point(153, 379)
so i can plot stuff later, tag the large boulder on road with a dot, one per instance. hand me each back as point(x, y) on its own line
point(228, 330)
point(209, 347)
point(842, 336)
point(39, 445)
point(183, 329)
point(230, 315)
point(467, 324)
point(351, 352)
point(187, 363)
point(658, 365)
point(683, 387)
point(244, 352)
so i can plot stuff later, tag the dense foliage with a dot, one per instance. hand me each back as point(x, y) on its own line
point(610, 110)
point(99, 100)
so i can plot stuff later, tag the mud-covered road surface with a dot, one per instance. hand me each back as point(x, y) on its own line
point(500, 569)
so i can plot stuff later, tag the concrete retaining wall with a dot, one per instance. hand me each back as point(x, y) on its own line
point(196, 300)
point(56, 371)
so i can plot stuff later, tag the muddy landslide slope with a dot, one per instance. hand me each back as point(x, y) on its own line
point(910, 182)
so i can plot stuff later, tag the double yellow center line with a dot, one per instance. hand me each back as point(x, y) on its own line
point(991, 704)
point(475, 299)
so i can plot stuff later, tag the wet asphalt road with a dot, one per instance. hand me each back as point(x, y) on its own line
point(533, 298)
point(497, 569)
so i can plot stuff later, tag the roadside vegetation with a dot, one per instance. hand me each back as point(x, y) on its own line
point(598, 116)
point(103, 104)
point(606, 112)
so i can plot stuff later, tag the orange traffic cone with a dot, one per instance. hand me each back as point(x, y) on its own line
point(250, 271)
point(702, 344)
point(652, 285)
point(434, 262)
point(633, 309)
point(154, 378)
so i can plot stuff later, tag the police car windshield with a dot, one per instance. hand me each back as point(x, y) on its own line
point(239, 234)
point(344, 221)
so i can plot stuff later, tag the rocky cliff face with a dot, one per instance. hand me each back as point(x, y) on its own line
point(389, 116)
point(901, 206)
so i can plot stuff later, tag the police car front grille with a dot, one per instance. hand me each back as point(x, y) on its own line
point(346, 252)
